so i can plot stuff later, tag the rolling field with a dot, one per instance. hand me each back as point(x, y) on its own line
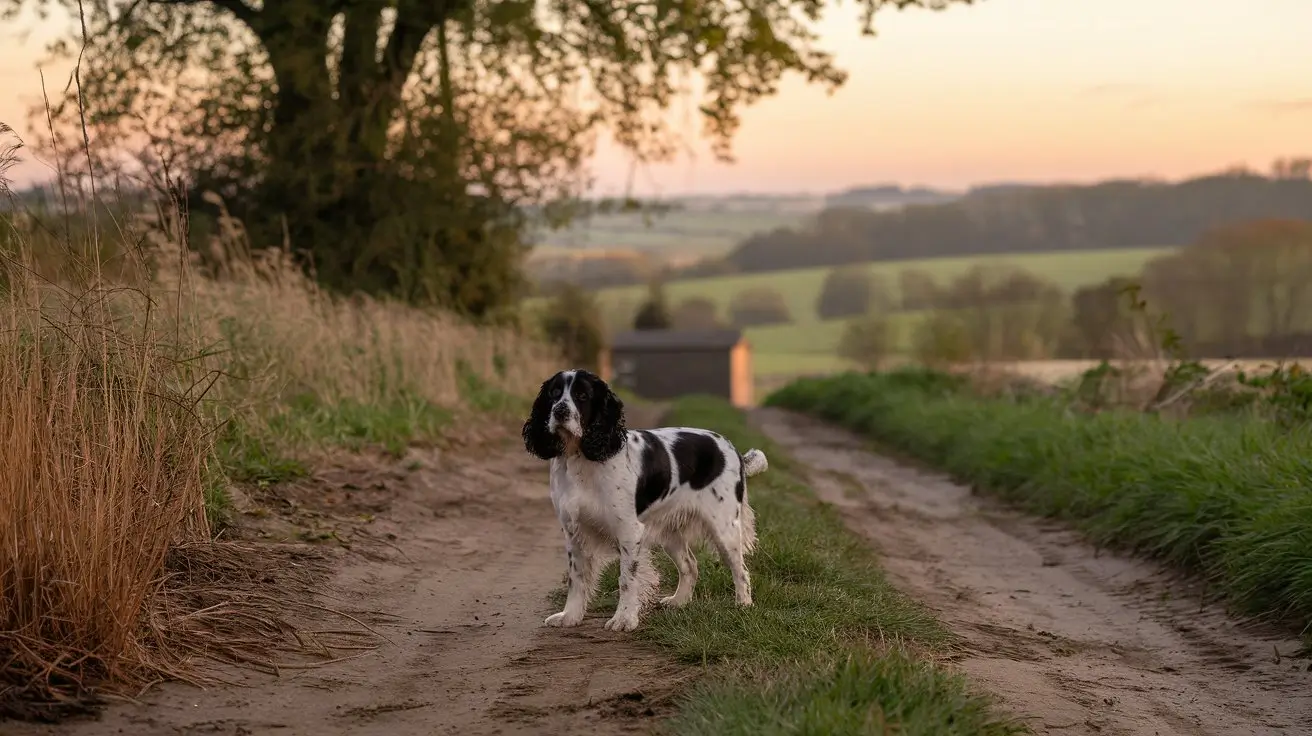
point(808, 344)
point(687, 232)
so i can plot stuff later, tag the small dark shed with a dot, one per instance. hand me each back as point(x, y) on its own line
point(664, 364)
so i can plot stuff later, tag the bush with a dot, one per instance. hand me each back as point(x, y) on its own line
point(1225, 497)
point(759, 305)
point(851, 291)
point(868, 340)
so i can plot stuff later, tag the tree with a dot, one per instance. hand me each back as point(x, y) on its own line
point(697, 313)
point(919, 290)
point(654, 314)
point(1007, 313)
point(1236, 283)
point(402, 142)
point(850, 291)
point(868, 340)
point(572, 322)
point(942, 340)
point(1102, 323)
point(759, 305)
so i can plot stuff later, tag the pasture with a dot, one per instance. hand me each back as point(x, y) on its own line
point(675, 234)
point(808, 344)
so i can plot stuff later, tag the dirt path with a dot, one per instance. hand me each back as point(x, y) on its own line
point(1084, 643)
point(471, 552)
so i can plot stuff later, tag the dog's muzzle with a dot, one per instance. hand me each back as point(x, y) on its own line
point(559, 416)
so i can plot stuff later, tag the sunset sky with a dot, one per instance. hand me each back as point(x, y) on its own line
point(1004, 90)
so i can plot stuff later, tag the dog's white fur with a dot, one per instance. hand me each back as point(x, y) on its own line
point(597, 502)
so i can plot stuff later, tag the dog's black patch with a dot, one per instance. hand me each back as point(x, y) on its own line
point(740, 489)
point(655, 479)
point(699, 457)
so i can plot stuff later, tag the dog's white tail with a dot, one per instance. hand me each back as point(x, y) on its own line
point(754, 462)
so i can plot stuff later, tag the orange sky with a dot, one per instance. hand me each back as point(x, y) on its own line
point(1001, 90)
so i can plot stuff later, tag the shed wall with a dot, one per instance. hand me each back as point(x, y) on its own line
point(667, 374)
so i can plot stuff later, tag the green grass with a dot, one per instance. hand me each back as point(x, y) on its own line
point(829, 647)
point(687, 232)
point(1223, 496)
point(801, 287)
point(809, 344)
point(265, 450)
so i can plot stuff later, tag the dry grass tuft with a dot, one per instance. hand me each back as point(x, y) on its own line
point(118, 382)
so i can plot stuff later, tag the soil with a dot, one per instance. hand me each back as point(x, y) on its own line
point(449, 555)
point(1080, 642)
point(460, 549)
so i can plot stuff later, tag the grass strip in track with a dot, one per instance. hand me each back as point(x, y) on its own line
point(830, 647)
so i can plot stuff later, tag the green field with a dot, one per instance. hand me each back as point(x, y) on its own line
point(686, 232)
point(808, 344)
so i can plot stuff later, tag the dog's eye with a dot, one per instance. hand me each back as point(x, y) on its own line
point(555, 392)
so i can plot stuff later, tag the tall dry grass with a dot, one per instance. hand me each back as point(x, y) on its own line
point(112, 395)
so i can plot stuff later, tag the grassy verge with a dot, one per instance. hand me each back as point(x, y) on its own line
point(136, 392)
point(1225, 496)
point(829, 646)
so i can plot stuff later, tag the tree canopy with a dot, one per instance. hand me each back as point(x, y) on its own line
point(402, 143)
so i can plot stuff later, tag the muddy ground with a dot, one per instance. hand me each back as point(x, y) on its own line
point(451, 554)
point(1080, 642)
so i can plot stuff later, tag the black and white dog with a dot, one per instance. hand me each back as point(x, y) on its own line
point(629, 489)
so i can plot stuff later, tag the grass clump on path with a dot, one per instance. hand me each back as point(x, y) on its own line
point(829, 646)
point(1225, 496)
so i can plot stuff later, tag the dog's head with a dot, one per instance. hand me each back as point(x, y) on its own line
point(575, 409)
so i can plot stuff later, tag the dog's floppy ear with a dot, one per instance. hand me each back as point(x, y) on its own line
point(606, 434)
point(538, 440)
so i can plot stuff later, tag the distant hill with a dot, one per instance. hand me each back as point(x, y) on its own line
point(1007, 218)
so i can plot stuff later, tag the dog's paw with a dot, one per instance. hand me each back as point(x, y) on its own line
point(623, 621)
point(744, 600)
point(563, 619)
point(674, 601)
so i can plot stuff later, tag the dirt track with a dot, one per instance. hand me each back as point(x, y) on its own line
point(463, 550)
point(476, 551)
point(1082, 643)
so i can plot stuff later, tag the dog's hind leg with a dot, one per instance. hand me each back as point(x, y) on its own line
point(686, 562)
point(728, 534)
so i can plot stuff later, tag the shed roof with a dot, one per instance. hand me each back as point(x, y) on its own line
point(676, 340)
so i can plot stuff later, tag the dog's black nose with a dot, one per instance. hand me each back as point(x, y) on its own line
point(560, 411)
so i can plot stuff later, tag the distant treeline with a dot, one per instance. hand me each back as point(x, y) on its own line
point(1114, 214)
point(1004, 219)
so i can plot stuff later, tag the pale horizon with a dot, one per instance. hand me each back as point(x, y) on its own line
point(1023, 91)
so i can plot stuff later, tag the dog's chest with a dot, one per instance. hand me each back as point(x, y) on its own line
point(594, 491)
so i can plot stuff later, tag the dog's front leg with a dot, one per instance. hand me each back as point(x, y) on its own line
point(582, 578)
point(635, 572)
